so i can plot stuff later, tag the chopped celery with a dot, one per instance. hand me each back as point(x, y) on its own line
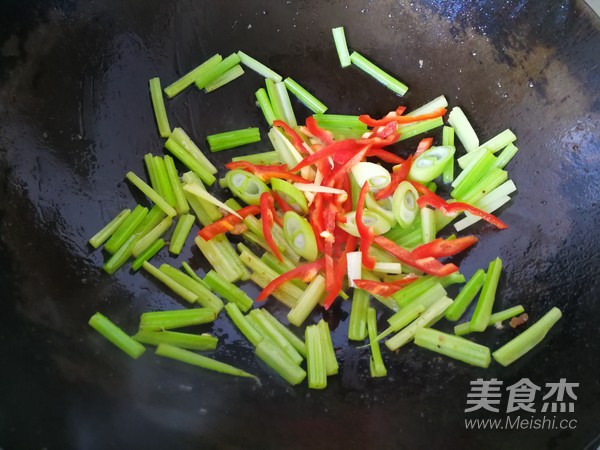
point(463, 129)
point(204, 295)
point(258, 67)
point(186, 143)
point(226, 77)
point(500, 316)
point(158, 103)
point(264, 103)
point(231, 139)
point(125, 229)
point(151, 194)
point(309, 100)
point(381, 76)
point(339, 39)
point(147, 254)
point(181, 340)
point(166, 320)
point(453, 346)
point(191, 162)
point(228, 290)
point(279, 362)
point(483, 310)
point(114, 334)
point(375, 362)
point(315, 361)
point(307, 301)
point(189, 78)
point(357, 327)
point(181, 232)
point(465, 296)
point(207, 77)
point(176, 287)
point(107, 231)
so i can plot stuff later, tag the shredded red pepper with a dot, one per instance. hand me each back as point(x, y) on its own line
point(344, 168)
point(227, 223)
point(265, 172)
point(345, 146)
point(385, 289)
point(323, 135)
point(366, 233)
point(430, 266)
point(369, 121)
point(268, 216)
point(452, 209)
point(384, 155)
point(305, 272)
point(397, 177)
point(297, 141)
point(424, 145)
point(441, 248)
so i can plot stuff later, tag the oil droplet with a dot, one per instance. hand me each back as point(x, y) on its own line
point(530, 84)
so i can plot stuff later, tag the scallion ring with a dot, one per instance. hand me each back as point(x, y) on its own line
point(246, 186)
point(377, 176)
point(291, 194)
point(430, 164)
point(299, 235)
point(370, 219)
point(404, 204)
point(382, 207)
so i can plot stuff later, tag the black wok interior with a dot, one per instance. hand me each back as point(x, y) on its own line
point(75, 116)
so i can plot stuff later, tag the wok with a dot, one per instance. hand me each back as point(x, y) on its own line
point(75, 115)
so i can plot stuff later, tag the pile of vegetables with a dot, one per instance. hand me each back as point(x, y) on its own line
point(331, 209)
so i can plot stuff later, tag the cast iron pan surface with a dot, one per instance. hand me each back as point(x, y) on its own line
point(75, 115)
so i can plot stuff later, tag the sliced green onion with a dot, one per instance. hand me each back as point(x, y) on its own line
point(187, 80)
point(163, 181)
point(528, 339)
point(388, 267)
point(185, 142)
point(506, 155)
point(279, 362)
point(381, 76)
point(500, 141)
point(496, 318)
point(231, 139)
point(430, 164)
point(226, 77)
point(291, 194)
point(463, 129)
point(264, 103)
point(300, 235)
point(315, 361)
point(377, 176)
point(430, 107)
point(222, 257)
point(179, 354)
point(329, 121)
point(307, 301)
point(370, 219)
point(286, 104)
point(147, 254)
point(228, 291)
point(242, 323)
point(149, 238)
point(309, 100)
point(339, 38)
point(151, 194)
point(428, 228)
point(107, 231)
point(114, 334)
point(267, 158)
point(453, 346)
point(176, 287)
point(382, 207)
point(207, 77)
point(376, 361)
point(182, 230)
point(401, 319)
point(258, 67)
point(166, 320)
point(181, 204)
point(424, 320)
point(465, 296)
point(181, 340)
point(414, 129)
point(204, 295)
point(275, 335)
point(158, 103)
point(357, 327)
point(180, 152)
point(126, 228)
point(353, 267)
point(404, 204)
point(483, 310)
point(245, 186)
